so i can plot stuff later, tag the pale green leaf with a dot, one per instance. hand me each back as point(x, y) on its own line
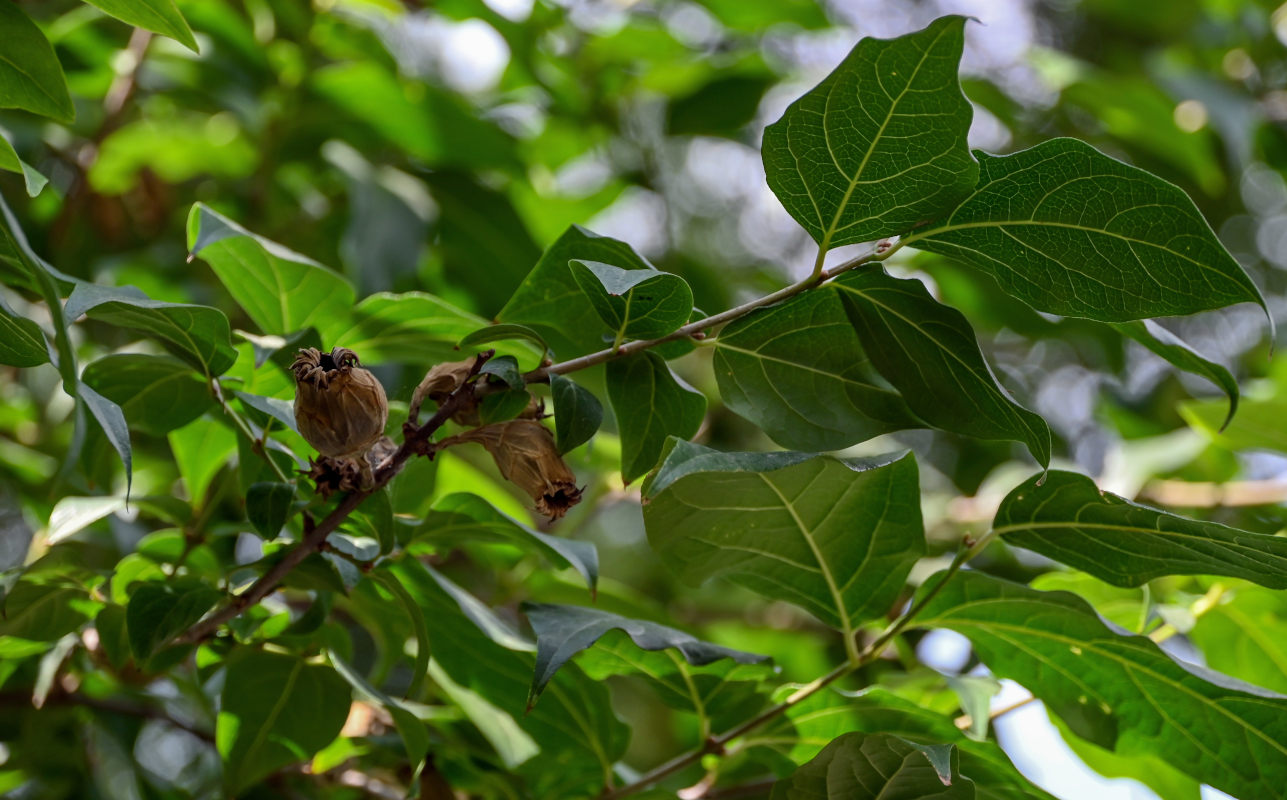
point(30, 76)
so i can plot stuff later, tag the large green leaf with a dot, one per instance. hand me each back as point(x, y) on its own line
point(197, 334)
point(159, 16)
point(1120, 692)
point(1064, 516)
point(579, 736)
point(276, 710)
point(1149, 770)
point(1246, 637)
point(836, 537)
point(22, 342)
point(156, 393)
point(577, 413)
point(550, 300)
point(159, 611)
point(1175, 350)
point(798, 371)
point(1071, 231)
point(413, 326)
point(280, 290)
point(634, 303)
point(650, 404)
point(200, 451)
point(30, 76)
point(465, 517)
point(879, 146)
point(874, 766)
point(928, 352)
point(563, 631)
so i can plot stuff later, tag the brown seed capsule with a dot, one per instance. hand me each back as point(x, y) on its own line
point(525, 454)
point(340, 408)
point(438, 383)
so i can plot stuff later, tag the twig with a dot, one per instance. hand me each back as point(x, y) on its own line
point(417, 441)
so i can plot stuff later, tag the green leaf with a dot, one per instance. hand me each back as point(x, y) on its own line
point(276, 710)
point(412, 731)
point(879, 146)
point(281, 410)
point(577, 413)
point(563, 631)
point(798, 371)
point(634, 303)
point(200, 451)
point(505, 369)
point(280, 290)
point(157, 394)
point(835, 537)
point(375, 519)
point(157, 612)
point(1246, 637)
point(44, 612)
point(410, 327)
point(1121, 692)
point(1258, 425)
point(928, 352)
point(112, 420)
point(1176, 351)
point(158, 16)
point(503, 406)
point(860, 766)
point(197, 334)
point(1151, 771)
point(418, 626)
point(464, 517)
point(550, 301)
point(650, 404)
point(500, 332)
point(1064, 516)
point(267, 507)
point(1068, 230)
point(575, 726)
point(22, 342)
point(30, 76)
point(10, 161)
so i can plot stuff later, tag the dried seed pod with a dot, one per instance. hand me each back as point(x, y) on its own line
point(340, 408)
point(438, 384)
point(525, 454)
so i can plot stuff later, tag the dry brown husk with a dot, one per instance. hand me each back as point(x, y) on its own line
point(525, 454)
point(340, 408)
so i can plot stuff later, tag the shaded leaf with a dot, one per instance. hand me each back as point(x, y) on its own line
point(9, 160)
point(159, 16)
point(1071, 231)
point(650, 404)
point(842, 553)
point(563, 631)
point(157, 394)
point(502, 331)
point(634, 303)
point(928, 352)
point(30, 76)
point(412, 731)
point(879, 146)
point(1064, 516)
point(798, 371)
point(281, 410)
point(1119, 691)
point(862, 766)
point(112, 420)
point(268, 505)
point(22, 342)
point(1176, 351)
point(577, 413)
point(282, 291)
point(276, 710)
point(157, 612)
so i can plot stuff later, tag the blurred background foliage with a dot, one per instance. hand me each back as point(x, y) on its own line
point(440, 146)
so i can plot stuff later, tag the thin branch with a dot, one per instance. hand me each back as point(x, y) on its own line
point(417, 442)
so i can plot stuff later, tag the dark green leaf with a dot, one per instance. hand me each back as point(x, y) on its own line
point(10, 161)
point(159, 16)
point(575, 726)
point(798, 371)
point(268, 506)
point(276, 710)
point(505, 369)
point(112, 420)
point(502, 331)
point(1066, 517)
point(550, 300)
point(503, 406)
point(1121, 692)
point(412, 731)
point(650, 404)
point(375, 519)
point(412, 326)
point(158, 611)
point(1071, 231)
point(928, 352)
point(1177, 352)
point(463, 517)
point(634, 303)
point(879, 146)
point(721, 107)
point(418, 625)
point(834, 537)
point(861, 766)
point(30, 76)
point(281, 410)
point(42, 612)
point(113, 636)
point(577, 413)
point(157, 394)
point(563, 631)
point(280, 290)
point(22, 342)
